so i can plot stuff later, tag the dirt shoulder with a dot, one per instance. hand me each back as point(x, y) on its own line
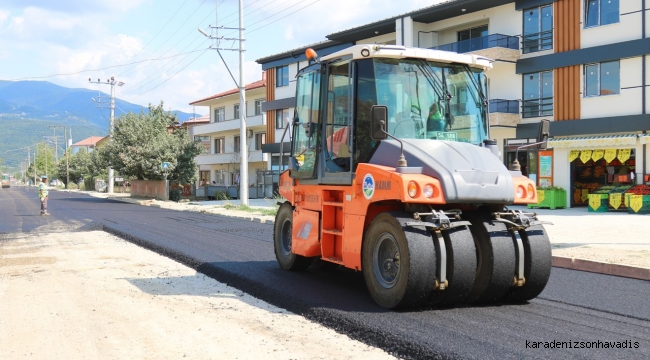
point(92, 295)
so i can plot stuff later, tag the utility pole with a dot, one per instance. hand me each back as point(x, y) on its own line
point(111, 82)
point(243, 167)
point(65, 152)
point(29, 161)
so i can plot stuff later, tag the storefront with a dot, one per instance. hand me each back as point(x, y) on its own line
point(596, 166)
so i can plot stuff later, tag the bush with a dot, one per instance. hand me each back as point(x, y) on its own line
point(72, 186)
point(89, 183)
point(221, 195)
point(175, 195)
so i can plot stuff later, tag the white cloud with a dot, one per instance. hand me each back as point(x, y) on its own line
point(288, 32)
point(4, 15)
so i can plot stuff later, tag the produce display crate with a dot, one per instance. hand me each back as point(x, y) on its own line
point(644, 202)
point(601, 201)
point(550, 199)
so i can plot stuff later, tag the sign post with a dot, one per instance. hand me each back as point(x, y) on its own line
point(164, 166)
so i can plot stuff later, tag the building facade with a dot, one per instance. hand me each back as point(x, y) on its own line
point(579, 63)
point(220, 163)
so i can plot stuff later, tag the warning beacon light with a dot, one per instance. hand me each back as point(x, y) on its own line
point(311, 54)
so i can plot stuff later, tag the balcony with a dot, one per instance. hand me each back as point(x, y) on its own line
point(504, 112)
point(252, 122)
point(230, 158)
point(495, 46)
point(532, 108)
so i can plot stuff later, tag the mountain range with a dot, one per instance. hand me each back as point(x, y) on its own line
point(29, 108)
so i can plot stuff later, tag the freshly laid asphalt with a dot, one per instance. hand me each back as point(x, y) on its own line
point(577, 309)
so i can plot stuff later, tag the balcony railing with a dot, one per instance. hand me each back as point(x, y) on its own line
point(504, 106)
point(537, 107)
point(537, 42)
point(480, 43)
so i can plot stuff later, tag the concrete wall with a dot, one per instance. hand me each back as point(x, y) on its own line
point(156, 189)
point(629, 26)
point(504, 82)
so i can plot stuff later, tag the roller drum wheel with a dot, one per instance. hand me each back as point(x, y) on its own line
point(282, 241)
point(537, 264)
point(496, 259)
point(461, 266)
point(399, 262)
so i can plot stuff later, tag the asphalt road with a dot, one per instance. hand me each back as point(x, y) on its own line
point(580, 310)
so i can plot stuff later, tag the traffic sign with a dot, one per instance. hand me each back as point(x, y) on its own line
point(164, 166)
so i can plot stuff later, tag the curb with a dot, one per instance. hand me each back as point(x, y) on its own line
point(599, 267)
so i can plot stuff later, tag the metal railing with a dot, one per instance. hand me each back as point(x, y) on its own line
point(504, 106)
point(537, 107)
point(480, 43)
point(537, 42)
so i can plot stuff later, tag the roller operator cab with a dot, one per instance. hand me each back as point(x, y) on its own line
point(392, 173)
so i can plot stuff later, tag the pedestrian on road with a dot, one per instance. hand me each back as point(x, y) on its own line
point(43, 195)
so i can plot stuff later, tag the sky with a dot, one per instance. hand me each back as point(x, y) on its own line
point(154, 47)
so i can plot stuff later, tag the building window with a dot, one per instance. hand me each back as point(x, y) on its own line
point(281, 116)
point(219, 145)
point(236, 109)
point(538, 29)
point(236, 144)
point(201, 138)
point(538, 94)
point(220, 177)
point(472, 39)
point(260, 139)
point(258, 106)
point(282, 76)
point(219, 114)
point(601, 12)
point(602, 78)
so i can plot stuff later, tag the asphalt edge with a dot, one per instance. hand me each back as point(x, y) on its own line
point(600, 267)
point(393, 345)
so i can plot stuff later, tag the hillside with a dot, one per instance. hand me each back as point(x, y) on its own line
point(27, 108)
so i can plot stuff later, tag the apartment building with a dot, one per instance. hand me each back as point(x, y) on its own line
point(220, 164)
point(579, 63)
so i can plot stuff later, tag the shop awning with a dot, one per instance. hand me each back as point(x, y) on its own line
point(594, 141)
point(644, 139)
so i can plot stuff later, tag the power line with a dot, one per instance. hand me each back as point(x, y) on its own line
point(100, 69)
point(169, 78)
point(265, 25)
point(161, 29)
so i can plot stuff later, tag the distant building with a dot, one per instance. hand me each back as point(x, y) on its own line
point(89, 143)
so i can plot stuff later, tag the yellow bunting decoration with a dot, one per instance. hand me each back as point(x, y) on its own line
point(627, 200)
point(610, 154)
point(636, 202)
point(624, 155)
point(573, 154)
point(585, 195)
point(585, 155)
point(615, 200)
point(597, 155)
point(540, 196)
point(594, 201)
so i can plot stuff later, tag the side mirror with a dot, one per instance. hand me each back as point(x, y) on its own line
point(544, 132)
point(309, 129)
point(379, 116)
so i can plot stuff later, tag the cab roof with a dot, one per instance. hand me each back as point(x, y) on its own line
point(401, 52)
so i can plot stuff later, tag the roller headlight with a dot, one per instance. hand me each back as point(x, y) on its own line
point(428, 190)
point(531, 191)
point(521, 192)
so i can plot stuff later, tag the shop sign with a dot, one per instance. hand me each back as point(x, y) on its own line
point(594, 201)
point(597, 155)
point(573, 154)
point(540, 196)
point(585, 155)
point(636, 202)
point(615, 200)
point(610, 154)
point(624, 155)
point(585, 195)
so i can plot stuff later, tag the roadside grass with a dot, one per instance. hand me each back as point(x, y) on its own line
point(249, 209)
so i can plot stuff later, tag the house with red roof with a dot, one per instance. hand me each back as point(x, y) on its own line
point(220, 165)
point(89, 143)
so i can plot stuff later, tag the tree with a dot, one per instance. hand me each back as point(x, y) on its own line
point(79, 164)
point(142, 142)
point(45, 163)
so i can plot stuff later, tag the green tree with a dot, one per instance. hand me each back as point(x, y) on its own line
point(45, 162)
point(142, 142)
point(79, 164)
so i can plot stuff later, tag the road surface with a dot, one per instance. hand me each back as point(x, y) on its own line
point(576, 316)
